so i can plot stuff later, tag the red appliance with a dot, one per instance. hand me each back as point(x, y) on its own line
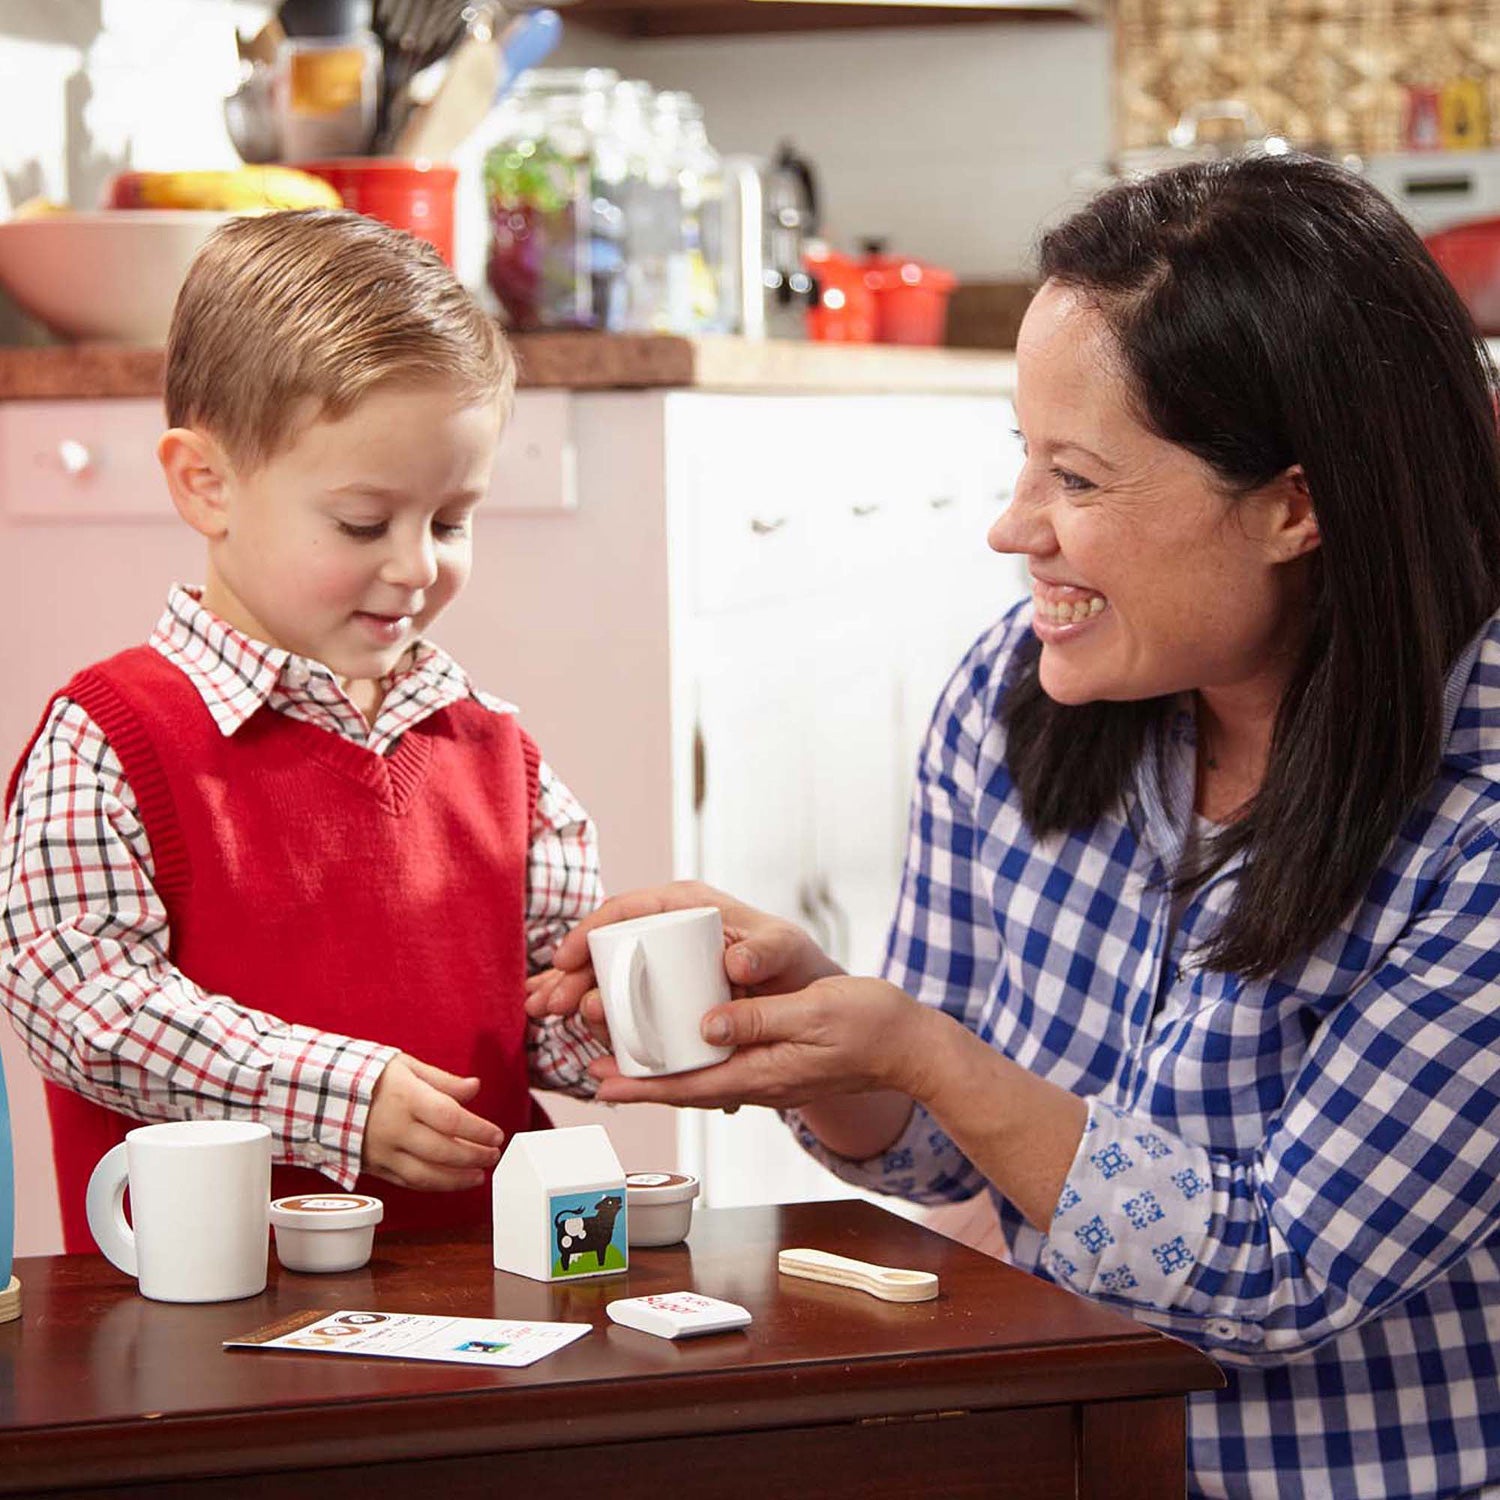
point(416, 196)
point(1469, 255)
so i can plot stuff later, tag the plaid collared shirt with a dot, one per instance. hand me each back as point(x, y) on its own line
point(1300, 1176)
point(83, 934)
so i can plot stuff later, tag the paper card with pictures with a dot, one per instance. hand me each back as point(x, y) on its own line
point(395, 1335)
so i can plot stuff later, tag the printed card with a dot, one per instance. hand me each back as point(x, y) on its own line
point(394, 1335)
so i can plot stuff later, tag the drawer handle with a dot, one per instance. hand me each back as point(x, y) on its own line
point(943, 502)
point(865, 510)
point(766, 528)
point(74, 456)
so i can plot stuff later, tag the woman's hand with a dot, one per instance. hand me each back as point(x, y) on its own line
point(763, 954)
point(418, 1133)
point(840, 1035)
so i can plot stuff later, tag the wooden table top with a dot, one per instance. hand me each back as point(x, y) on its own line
point(94, 1374)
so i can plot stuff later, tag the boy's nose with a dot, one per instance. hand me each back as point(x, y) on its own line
point(411, 562)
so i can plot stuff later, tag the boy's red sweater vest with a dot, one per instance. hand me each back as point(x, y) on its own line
point(381, 897)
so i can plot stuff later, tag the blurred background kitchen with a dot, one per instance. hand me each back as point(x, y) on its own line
point(931, 137)
point(765, 260)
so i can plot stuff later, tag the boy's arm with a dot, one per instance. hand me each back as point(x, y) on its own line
point(563, 887)
point(85, 976)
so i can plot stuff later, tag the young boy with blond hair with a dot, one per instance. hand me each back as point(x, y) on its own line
point(284, 863)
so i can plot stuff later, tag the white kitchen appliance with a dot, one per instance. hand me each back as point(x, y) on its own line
point(1437, 188)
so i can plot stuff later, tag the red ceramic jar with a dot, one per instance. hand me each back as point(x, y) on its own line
point(416, 196)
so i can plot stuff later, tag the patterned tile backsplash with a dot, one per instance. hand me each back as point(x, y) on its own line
point(1324, 73)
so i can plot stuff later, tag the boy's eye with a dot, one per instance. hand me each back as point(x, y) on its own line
point(450, 530)
point(366, 533)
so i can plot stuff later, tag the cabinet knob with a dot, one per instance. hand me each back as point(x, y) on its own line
point(74, 456)
point(765, 528)
point(943, 502)
point(865, 510)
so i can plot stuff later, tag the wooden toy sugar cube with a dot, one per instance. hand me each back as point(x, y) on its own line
point(559, 1206)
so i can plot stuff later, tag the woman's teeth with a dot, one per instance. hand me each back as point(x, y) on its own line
point(1069, 612)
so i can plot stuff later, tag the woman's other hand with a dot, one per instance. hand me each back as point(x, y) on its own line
point(840, 1035)
point(418, 1133)
point(764, 955)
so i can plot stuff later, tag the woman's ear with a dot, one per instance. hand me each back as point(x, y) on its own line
point(199, 478)
point(1292, 529)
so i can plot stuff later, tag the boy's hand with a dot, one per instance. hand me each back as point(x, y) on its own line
point(419, 1135)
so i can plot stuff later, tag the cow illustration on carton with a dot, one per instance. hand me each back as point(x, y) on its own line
point(559, 1206)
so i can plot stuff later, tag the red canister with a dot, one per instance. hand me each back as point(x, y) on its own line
point(911, 298)
point(416, 196)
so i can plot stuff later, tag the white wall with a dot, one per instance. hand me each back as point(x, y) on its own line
point(954, 142)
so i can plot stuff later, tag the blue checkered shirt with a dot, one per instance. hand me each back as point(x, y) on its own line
point(1298, 1176)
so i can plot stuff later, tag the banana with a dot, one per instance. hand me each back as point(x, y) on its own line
point(243, 190)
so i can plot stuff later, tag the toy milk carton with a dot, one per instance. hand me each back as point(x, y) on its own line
point(559, 1206)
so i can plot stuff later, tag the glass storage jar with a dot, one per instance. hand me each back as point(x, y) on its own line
point(556, 223)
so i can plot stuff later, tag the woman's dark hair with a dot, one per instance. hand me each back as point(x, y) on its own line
point(1274, 311)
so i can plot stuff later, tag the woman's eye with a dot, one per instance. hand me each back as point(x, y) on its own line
point(366, 533)
point(1074, 483)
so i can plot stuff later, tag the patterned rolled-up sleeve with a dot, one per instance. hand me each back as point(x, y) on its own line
point(85, 976)
point(563, 886)
point(943, 948)
point(1378, 1174)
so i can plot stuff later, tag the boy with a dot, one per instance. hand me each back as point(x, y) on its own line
point(284, 863)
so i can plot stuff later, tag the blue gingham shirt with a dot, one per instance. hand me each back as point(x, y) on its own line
point(1300, 1176)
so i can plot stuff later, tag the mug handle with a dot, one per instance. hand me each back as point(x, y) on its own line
point(627, 981)
point(105, 1205)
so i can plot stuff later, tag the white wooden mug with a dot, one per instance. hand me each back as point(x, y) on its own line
point(659, 976)
point(200, 1204)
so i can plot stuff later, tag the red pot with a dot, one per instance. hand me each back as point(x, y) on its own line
point(911, 299)
point(416, 196)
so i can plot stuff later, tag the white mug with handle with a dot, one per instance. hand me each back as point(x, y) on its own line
point(658, 977)
point(200, 1204)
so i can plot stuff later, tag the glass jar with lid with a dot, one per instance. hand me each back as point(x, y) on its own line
point(554, 239)
point(653, 218)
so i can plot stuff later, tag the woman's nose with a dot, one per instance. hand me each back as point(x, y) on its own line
point(412, 561)
point(1023, 526)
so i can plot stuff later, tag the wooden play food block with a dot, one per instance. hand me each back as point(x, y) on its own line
point(559, 1206)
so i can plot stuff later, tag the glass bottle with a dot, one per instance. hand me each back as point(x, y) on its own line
point(652, 213)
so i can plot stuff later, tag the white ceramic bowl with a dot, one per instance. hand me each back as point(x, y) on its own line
point(110, 275)
point(330, 1231)
point(659, 1207)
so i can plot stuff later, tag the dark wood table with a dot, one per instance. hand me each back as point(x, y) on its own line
point(1004, 1386)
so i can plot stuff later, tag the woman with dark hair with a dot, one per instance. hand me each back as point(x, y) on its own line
point(1196, 967)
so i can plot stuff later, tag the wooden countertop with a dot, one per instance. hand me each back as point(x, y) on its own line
point(586, 362)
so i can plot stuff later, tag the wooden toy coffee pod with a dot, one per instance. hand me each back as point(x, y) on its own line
point(325, 1231)
point(660, 1206)
point(10, 1301)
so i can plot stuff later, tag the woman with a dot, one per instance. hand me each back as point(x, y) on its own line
point(1195, 962)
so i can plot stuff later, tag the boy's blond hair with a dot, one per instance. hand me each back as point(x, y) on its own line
point(286, 318)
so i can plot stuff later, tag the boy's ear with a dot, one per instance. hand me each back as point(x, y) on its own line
point(199, 478)
point(1292, 530)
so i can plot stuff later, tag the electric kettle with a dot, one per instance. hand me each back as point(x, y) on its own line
point(771, 208)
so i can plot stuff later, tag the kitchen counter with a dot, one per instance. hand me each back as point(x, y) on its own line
point(583, 361)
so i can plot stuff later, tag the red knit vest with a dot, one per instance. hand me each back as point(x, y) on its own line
point(381, 897)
